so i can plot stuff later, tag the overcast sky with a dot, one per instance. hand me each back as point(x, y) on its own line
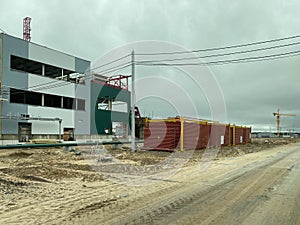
point(251, 91)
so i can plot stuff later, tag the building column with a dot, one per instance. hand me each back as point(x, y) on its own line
point(43, 70)
point(110, 105)
point(43, 99)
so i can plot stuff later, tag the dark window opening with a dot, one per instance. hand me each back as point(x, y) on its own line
point(52, 101)
point(69, 103)
point(25, 65)
point(52, 71)
point(33, 98)
point(80, 104)
point(25, 97)
point(33, 67)
point(17, 96)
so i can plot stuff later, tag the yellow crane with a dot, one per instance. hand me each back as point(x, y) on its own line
point(278, 115)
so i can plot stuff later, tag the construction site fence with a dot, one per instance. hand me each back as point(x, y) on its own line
point(182, 134)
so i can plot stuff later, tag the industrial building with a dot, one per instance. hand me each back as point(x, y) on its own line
point(50, 94)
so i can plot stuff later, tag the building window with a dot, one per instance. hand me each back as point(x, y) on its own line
point(69, 103)
point(53, 71)
point(17, 96)
point(80, 104)
point(33, 98)
point(25, 65)
point(33, 67)
point(52, 101)
point(36, 98)
point(25, 97)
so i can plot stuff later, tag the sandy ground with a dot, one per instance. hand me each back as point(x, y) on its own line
point(250, 184)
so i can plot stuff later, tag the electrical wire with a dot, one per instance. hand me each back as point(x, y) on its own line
point(222, 48)
point(221, 54)
point(220, 62)
point(60, 83)
point(107, 71)
point(113, 61)
point(86, 79)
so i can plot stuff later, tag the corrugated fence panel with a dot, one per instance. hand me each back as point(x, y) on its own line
point(247, 135)
point(219, 135)
point(190, 135)
point(165, 135)
point(239, 136)
point(227, 136)
point(203, 136)
point(162, 136)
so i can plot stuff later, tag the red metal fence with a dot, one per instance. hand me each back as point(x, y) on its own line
point(180, 134)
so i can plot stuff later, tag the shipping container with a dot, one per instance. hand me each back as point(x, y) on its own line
point(189, 134)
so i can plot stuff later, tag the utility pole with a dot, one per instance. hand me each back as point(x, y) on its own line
point(133, 147)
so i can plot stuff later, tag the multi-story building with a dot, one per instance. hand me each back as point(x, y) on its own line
point(45, 93)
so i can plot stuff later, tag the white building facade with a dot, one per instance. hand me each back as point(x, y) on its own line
point(44, 92)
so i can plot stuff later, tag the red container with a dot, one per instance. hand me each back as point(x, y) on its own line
point(162, 136)
point(239, 136)
point(219, 135)
point(247, 134)
point(194, 134)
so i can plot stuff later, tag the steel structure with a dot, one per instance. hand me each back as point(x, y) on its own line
point(26, 29)
point(278, 115)
point(119, 81)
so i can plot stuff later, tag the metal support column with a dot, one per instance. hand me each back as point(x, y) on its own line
point(181, 133)
point(133, 147)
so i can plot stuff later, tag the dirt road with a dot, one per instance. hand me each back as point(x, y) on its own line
point(258, 188)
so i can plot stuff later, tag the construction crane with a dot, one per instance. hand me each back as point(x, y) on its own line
point(278, 115)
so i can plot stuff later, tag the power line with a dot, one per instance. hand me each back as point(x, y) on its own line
point(107, 71)
point(113, 61)
point(86, 79)
point(221, 54)
point(59, 81)
point(220, 62)
point(222, 48)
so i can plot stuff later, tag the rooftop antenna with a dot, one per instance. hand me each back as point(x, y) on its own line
point(26, 29)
